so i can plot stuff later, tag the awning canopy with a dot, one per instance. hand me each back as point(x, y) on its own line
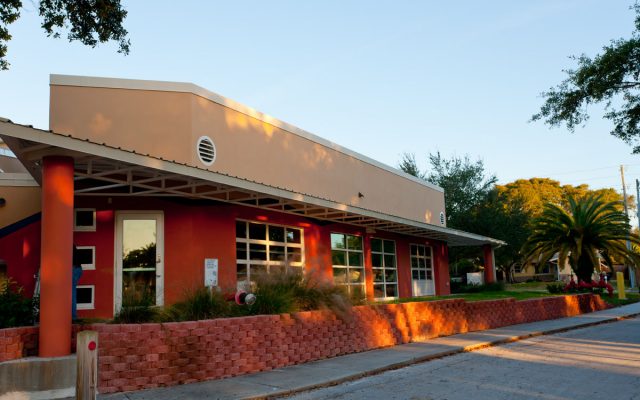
point(102, 170)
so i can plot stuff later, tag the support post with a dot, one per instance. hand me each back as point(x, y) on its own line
point(56, 257)
point(489, 264)
point(87, 372)
point(441, 269)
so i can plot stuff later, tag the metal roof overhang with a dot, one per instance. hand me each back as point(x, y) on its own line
point(102, 170)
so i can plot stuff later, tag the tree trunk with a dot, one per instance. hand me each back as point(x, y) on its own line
point(585, 268)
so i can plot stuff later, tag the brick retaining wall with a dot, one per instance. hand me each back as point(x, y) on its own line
point(139, 356)
point(18, 343)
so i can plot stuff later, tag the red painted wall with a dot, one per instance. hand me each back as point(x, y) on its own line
point(195, 231)
point(21, 251)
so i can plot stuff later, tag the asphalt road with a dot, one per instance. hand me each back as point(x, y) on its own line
point(591, 363)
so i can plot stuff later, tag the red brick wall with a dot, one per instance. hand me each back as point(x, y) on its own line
point(142, 356)
point(18, 343)
point(133, 357)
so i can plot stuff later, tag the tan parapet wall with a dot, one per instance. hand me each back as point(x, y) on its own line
point(20, 202)
point(249, 145)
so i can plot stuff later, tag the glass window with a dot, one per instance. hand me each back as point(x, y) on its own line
point(86, 257)
point(84, 219)
point(383, 261)
point(266, 248)
point(293, 235)
point(257, 231)
point(85, 297)
point(348, 262)
point(338, 241)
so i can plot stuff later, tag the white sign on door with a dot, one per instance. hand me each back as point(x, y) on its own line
point(210, 272)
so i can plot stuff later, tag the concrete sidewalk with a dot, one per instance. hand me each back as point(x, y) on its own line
point(344, 368)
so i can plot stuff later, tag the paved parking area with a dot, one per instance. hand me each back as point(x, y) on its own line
point(601, 361)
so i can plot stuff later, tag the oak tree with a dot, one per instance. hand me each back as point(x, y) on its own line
point(88, 21)
point(612, 79)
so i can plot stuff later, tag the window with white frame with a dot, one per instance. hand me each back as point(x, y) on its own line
point(421, 262)
point(87, 257)
point(84, 219)
point(348, 263)
point(85, 297)
point(267, 248)
point(385, 270)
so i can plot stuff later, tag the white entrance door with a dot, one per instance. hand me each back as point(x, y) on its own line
point(422, 270)
point(139, 255)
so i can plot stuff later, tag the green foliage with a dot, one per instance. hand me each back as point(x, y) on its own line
point(200, 303)
point(138, 306)
point(532, 194)
point(140, 258)
point(15, 308)
point(276, 293)
point(586, 227)
point(610, 78)
point(464, 266)
point(289, 291)
point(409, 165)
point(556, 287)
point(88, 21)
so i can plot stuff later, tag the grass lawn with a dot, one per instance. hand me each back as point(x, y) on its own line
point(614, 301)
point(541, 286)
point(478, 296)
point(525, 294)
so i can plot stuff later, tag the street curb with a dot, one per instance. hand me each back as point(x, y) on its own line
point(422, 359)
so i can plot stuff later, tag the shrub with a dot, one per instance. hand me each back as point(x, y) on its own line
point(555, 287)
point(15, 308)
point(137, 307)
point(200, 303)
point(289, 291)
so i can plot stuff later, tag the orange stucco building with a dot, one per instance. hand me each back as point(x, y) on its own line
point(163, 186)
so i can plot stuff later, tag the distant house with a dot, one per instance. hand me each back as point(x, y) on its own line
point(551, 271)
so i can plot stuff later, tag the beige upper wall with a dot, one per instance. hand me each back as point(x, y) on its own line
point(20, 202)
point(165, 120)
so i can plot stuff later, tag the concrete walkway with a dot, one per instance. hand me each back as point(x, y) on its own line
point(336, 370)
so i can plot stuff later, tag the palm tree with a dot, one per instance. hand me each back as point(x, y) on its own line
point(590, 226)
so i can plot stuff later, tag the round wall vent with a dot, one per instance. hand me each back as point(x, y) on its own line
point(206, 150)
point(442, 220)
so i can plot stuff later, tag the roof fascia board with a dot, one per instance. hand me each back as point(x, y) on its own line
point(82, 146)
point(17, 179)
point(185, 87)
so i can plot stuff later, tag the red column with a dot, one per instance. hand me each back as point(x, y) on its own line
point(489, 264)
point(56, 256)
point(441, 264)
point(368, 270)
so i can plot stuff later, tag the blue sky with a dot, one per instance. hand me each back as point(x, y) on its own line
point(381, 78)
